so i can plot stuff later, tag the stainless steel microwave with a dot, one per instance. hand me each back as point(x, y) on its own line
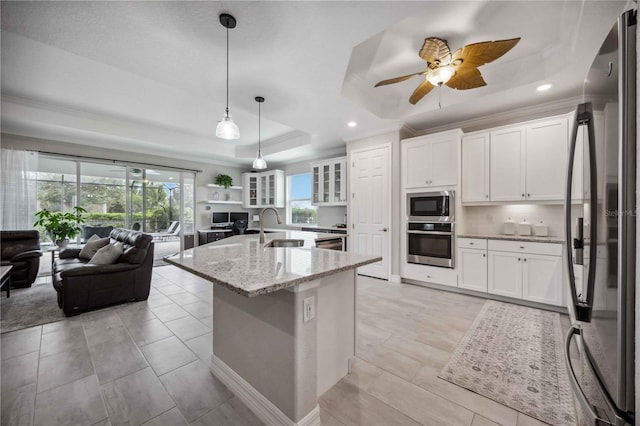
point(431, 206)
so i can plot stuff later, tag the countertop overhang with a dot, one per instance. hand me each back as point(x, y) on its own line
point(523, 238)
point(245, 266)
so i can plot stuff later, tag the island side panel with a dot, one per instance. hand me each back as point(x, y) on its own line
point(264, 340)
point(336, 328)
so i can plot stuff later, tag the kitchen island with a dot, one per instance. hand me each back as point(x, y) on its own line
point(283, 320)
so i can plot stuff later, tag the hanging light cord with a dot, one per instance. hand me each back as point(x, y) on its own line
point(227, 108)
point(259, 137)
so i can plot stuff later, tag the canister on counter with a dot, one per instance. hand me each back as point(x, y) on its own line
point(524, 227)
point(509, 227)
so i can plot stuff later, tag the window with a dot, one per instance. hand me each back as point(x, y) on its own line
point(299, 208)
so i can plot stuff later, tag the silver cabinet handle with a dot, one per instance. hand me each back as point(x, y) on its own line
point(523, 195)
point(484, 255)
point(522, 247)
point(528, 195)
point(383, 229)
point(525, 259)
point(486, 196)
point(518, 259)
point(470, 244)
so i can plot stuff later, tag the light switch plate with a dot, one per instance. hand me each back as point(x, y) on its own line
point(309, 311)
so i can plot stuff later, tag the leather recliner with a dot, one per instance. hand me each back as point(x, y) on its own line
point(22, 250)
point(82, 286)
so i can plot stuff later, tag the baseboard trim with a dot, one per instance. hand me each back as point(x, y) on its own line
point(395, 279)
point(264, 409)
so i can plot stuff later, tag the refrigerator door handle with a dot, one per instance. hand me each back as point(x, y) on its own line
point(582, 309)
point(579, 393)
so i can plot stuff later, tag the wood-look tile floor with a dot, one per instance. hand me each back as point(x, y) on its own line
point(147, 363)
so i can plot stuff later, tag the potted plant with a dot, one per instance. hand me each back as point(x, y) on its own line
point(224, 180)
point(61, 226)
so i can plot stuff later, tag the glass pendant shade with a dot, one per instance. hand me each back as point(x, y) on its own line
point(259, 163)
point(440, 75)
point(226, 128)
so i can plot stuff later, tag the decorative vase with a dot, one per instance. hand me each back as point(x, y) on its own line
point(62, 243)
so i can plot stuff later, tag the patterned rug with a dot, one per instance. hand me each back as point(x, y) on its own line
point(513, 355)
point(28, 307)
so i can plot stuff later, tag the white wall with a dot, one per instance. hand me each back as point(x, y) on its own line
point(207, 174)
point(490, 219)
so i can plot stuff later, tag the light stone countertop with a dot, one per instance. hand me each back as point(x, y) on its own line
point(243, 265)
point(525, 238)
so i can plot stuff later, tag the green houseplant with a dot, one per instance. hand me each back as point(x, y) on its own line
point(224, 180)
point(61, 226)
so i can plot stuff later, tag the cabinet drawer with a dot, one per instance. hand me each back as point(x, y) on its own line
point(474, 243)
point(430, 274)
point(550, 249)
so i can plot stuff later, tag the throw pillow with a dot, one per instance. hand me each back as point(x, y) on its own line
point(93, 244)
point(107, 255)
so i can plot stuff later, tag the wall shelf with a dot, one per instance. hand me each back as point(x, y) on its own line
point(213, 185)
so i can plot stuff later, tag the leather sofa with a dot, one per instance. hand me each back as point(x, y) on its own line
point(83, 286)
point(22, 250)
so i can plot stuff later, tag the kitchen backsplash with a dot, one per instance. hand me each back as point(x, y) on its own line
point(329, 216)
point(490, 219)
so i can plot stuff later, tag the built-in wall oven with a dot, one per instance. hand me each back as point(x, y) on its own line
point(431, 228)
point(431, 206)
point(431, 243)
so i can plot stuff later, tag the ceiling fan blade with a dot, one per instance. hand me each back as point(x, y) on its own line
point(398, 79)
point(477, 54)
point(435, 49)
point(424, 88)
point(466, 78)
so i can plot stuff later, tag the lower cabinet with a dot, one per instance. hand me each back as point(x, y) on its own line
point(520, 270)
point(206, 236)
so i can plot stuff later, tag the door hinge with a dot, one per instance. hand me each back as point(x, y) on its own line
point(353, 164)
point(353, 195)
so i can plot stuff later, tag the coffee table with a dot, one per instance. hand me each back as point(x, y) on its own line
point(5, 278)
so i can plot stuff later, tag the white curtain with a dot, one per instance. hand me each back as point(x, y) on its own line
point(18, 189)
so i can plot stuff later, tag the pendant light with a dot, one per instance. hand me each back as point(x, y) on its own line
point(226, 128)
point(259, 163)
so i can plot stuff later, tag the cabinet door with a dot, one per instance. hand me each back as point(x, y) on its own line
point(415, 155)
point(278, 189)
point(264, 190)
point(251, 190)
point(546, 160)
point(507, 158)
point(339, 178)
point(505, 274)
point(475, 168)
point(472, 269)
point(542, 279)
point(316, 184)
point(326, 183)
point(443, 162)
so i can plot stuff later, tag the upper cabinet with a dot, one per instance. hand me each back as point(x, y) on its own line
point(329, 182)
point(431, 160)
point(264, 189)
point(526, 162)
point(475, 167)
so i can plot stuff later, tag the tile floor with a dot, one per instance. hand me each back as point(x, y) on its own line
point(146, 363)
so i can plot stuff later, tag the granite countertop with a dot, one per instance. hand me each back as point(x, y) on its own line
point(525, 238)
point(243, 265)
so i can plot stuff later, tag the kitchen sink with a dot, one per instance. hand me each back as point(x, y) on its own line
point(285, 243)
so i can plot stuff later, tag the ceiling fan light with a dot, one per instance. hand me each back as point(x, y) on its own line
point(440, 75)
point(226, 128)
point(259, 163)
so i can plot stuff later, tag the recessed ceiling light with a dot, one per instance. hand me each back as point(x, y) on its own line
point(543, 87)
point(352, 124)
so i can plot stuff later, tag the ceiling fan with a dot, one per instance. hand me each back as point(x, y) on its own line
point(458, 70)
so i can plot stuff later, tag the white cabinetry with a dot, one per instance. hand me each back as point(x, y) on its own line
point(329, 182)
point(475, 167)
point(472, 264)
point(264, 189)
point(507, 152)
point(546, 159)
point(523, 270)
point(431, 160)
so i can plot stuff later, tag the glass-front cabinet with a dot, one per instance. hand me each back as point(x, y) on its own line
point(329, 180)
point(264, 189)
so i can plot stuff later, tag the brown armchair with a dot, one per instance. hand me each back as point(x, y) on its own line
point(22, 250)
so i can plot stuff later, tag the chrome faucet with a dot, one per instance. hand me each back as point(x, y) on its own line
point(262, 221)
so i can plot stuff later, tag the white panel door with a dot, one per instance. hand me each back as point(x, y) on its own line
point(475, 168)
point(507, 177)
point(443, 160)
point(472, 269)
point(542, 279)
point(546, 159)
point(370, 207)
point(505, 274)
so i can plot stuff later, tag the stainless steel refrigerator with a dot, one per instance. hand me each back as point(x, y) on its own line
point(600, 228)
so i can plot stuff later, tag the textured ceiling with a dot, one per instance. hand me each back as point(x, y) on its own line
point(150, 76)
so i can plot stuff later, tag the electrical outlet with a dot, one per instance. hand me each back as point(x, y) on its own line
point(309, 309)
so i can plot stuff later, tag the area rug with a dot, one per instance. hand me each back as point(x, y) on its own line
point(513, 355)
point(28, 307)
